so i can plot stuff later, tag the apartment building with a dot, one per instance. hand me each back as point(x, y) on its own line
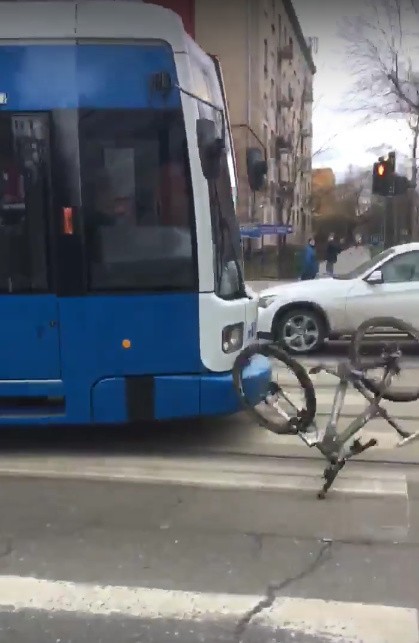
point(268, 70)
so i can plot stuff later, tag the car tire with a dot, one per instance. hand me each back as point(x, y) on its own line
point(311, 341)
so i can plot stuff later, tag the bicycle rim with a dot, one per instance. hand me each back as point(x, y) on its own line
point(394, 393)
point(273, 404)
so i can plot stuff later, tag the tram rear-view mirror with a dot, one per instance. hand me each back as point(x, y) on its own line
point(257, 168)
point(210, 147)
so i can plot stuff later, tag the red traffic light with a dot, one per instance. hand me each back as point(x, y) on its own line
point(381, 178)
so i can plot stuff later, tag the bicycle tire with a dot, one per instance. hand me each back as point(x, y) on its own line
point(273, 351)
point(356, 362)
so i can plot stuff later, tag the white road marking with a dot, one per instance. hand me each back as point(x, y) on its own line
point(387, 438)
point(345, 622)
point(324, 386)
point(209, 473)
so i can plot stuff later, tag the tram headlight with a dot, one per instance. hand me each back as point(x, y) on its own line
point(232, 337)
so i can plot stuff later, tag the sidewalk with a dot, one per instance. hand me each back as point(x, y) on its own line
point(348, 260)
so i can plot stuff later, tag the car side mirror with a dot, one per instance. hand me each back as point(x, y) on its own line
point(210, 147)
point(376, 277)
point(257, 168)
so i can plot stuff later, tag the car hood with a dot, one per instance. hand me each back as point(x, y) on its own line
point(308, 289)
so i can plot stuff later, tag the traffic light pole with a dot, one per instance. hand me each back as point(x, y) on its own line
point(389, 224)
point(388, 184)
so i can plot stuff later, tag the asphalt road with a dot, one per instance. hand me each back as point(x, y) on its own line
point(205, 531)
point(155, 562)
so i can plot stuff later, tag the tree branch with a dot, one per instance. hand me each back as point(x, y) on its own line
point(383, 83)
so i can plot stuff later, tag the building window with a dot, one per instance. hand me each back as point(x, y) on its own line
point(265, 56)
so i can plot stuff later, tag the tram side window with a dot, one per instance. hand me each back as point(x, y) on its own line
point(22, 207)
point(137, 201)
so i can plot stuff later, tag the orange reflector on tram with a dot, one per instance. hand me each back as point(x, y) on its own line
point(68, 225)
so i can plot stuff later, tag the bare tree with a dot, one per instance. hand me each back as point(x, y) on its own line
point(414, 128)
point(380, 45)
point(298, 157)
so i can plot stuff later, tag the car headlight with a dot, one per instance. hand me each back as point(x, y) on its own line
point(264, 302)
point(232, 338)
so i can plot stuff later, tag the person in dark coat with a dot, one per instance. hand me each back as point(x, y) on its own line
point(310, 263)
point(332, 251)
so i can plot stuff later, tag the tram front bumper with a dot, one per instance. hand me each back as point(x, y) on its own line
point(166, 397)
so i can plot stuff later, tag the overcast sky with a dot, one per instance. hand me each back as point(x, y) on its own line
point(341, 131)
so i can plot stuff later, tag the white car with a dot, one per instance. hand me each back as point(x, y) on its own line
point(301, 315)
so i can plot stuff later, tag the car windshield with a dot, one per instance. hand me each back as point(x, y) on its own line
point(366, 265)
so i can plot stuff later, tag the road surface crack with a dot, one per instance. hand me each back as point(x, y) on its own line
point(274, 589)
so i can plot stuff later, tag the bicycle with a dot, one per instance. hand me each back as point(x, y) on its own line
point(337, 447)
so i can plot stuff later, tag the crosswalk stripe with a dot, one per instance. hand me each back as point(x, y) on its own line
point(201, 472)
point(325, 387)
point(387, 439)
point(345, 622)
point(355, 404)
point(368, 623)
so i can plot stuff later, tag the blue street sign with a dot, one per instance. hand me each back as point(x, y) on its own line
point(275, 229)
point(252, 232)
point(261, 230)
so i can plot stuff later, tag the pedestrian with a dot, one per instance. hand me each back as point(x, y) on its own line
point(310, 264)
point(332, 251)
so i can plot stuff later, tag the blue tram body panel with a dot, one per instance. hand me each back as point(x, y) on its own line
point(46, 77)
point(100, 358)
point(161, 333)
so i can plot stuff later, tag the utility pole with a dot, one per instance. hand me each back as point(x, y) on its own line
point(389, 223)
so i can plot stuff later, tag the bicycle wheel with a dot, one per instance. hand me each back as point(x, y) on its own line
point(262, 402)
point(357, 361)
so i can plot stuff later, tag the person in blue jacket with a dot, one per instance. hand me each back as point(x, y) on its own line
point(310, 263)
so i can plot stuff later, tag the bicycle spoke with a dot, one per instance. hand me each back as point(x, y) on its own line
point(275, 408)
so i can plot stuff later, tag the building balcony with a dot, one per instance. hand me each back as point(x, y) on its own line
point(272, 169)
point(306, 166)
point(286, 188)
point(282, 145)
point(308, 95)
point(285, 101)
point(285, 53)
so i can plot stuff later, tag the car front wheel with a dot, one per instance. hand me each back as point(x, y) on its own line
point(300, 331)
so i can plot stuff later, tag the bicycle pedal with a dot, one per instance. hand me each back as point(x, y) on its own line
point(310, 437)
point(357, 447)
point(411, 438)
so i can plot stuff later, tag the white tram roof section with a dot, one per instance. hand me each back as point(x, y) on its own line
point(104, 20)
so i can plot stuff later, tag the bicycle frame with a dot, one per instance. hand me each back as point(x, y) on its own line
point(336, 446)
point(333, 444)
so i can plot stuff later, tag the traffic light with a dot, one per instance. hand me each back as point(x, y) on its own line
point(382, 177)
point(401, 184)
point(391, 159)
